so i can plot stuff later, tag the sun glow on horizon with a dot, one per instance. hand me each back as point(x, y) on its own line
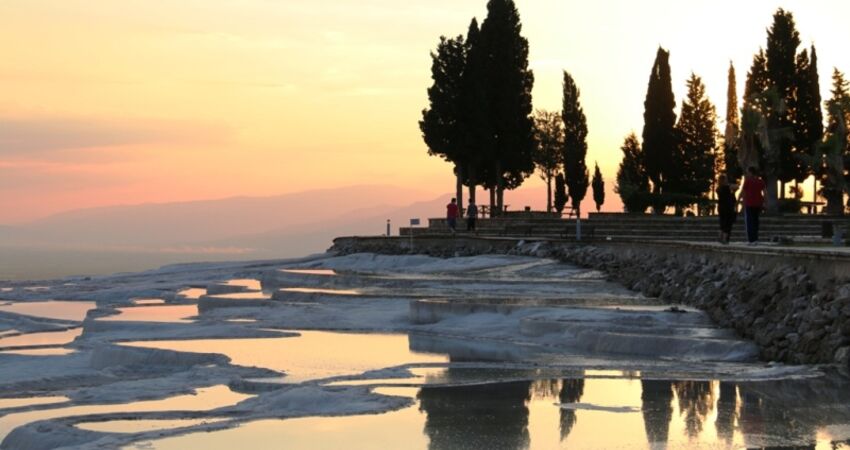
point(150, 101)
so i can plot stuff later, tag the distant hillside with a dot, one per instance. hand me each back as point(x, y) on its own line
point(186, 222)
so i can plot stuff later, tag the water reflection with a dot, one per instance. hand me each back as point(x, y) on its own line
point(696, 401)
point(138, 426)
point(306, 290)
point(155, 313)
point(727, 412)
point(203, 399)
point(74, 311)
point(525, 414)
point(43, 339)
point(491, 416)
point(192, 293)
point(321, 272)
point(57, 351)
point(571, 392)
point(312, 355)
point(657, 398)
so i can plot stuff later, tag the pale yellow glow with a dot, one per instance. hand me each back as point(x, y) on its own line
point(206, 99)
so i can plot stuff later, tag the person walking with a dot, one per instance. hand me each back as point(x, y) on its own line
point(471, 216)
point(726, 206)
point(451, 214)
point(752, 196)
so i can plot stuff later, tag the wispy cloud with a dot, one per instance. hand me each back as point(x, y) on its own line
point(31, 136)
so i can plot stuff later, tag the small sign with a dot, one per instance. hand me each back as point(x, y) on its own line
point(414, 222)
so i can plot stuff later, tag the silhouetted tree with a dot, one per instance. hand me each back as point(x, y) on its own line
point(442, 124)
point(760, 141)
point(560, 193)
point(733, 128)
point(808, 130)
point(632, 181)
point(834, 152)
point(549, 134)
point(757, 84)
point(575, 144)
point(474, 106)
point(508, 84)
point(659, 134)
point(782, 42)
point(598, 188)
point(698, 138)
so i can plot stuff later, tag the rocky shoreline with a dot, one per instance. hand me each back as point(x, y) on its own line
point(792, 315)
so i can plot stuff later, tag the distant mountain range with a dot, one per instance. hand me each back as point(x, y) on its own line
point(284, 225)
point(244, 227)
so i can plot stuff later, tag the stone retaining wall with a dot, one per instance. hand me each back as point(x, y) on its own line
point(795, 306)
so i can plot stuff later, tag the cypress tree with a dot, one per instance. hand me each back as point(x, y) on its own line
point(758, 82)
point(733, 128)
point(598, 188)
point(632, 180)
point(834, 152)
point(782, 42)
point(808, 131)
point(474, 105)
point(549, 134)
point(560, 193)
point(442, 125)
point(659, 135)
point(750, 152)
point(575, 143)
point(698, 139)
point(508, 84)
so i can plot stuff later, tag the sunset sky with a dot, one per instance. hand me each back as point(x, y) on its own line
point(128, 101)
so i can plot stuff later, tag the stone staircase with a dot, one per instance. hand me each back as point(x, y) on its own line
point(615, 226)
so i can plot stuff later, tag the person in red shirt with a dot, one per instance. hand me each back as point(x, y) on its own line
point(752, 196)
point(451, 214)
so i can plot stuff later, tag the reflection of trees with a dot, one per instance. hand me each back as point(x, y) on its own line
point(787, 411)
point(544, 389)
point(696, 400)
point(571, 392)
point(492, 416)
point(657, 398)
point(727, 411)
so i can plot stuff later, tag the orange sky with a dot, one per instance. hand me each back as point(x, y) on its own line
point(105, 102)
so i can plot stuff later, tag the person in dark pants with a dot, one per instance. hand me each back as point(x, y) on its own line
point(471, 215)
point(752, 196)
point(451, 214)
point(726, 206)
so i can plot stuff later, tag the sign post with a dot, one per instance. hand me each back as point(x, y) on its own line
point(413, 222)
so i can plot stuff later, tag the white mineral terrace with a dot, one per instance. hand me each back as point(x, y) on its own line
point(389, 352)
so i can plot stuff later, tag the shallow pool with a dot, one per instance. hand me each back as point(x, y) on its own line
point(313, 355)
point(74, 311)
point(551, 414)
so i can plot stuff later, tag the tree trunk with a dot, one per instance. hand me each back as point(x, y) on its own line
point(493, 212)
point(657, 207)
point(771, 201)
point(782, 190)
point(500, 183)
point(472, 184)
point(459, 187)
point(548, 194)
point(834, 203)
point(814, 195)
point(500, 199)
